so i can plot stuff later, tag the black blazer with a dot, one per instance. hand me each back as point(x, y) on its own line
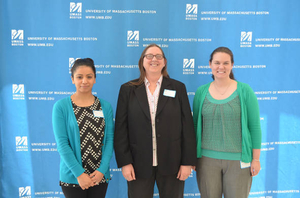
point(176, 141)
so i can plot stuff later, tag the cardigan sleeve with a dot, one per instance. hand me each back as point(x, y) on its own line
point(109, 140)
point(196, 107)
point(253, 118)
point(197, 116)
point(65, 151)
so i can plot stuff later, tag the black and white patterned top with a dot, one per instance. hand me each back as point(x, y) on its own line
point(91, 136)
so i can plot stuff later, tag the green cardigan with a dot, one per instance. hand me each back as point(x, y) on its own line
point(250, 119)
point(66, 132)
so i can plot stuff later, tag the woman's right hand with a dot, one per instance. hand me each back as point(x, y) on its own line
point(128, 172)
point(85, 181)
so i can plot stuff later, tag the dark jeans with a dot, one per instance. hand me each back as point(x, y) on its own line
point(97, 191)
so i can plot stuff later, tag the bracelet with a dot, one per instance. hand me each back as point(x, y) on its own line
point(257, 160)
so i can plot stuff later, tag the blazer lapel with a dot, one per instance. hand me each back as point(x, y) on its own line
point(141, 95)
point(163, 99)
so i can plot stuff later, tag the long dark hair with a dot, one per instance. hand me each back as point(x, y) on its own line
point(142, 69)
point(83, 62)
point(224, 50)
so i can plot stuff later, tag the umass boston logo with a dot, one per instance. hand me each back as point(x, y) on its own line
point(188, 66)
point(71, 63)
point(17, 37)
point(133, 38)
point(21, 143)
point(75, 10)
point(246, 39)
point(25, 192)
point(191, 12)
point(18, 92)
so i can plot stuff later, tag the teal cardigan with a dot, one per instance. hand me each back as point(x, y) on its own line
point(66, 132)
point(250, 119)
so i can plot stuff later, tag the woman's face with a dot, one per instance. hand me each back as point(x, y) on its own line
point(154, 66)
point(221, 65)
point(84, 79)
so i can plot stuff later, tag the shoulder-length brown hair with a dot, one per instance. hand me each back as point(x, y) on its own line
point(142, 69)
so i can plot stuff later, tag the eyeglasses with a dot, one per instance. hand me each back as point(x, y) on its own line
point(157, 56)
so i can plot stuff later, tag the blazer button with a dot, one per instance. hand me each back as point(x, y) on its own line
point(158, 135)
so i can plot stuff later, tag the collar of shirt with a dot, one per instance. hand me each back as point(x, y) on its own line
point(147, 83)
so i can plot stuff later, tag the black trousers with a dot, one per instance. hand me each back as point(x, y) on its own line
point(168, 186)
point(97, 191)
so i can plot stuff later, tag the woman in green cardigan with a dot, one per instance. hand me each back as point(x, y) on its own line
point(227, 124)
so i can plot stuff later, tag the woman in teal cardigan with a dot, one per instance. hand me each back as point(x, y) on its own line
point(227, 124)
point(83, 128)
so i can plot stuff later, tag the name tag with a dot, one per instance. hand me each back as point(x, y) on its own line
point(169, 93)
point(245, 165)
point(98, 113)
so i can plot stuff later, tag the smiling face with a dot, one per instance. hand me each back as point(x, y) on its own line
point(84, 79)
point(221, 65)
point(153, 66)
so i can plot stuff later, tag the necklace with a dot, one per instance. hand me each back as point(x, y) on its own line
point(224, 91)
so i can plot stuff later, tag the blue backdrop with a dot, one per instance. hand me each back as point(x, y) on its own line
point(40, 39)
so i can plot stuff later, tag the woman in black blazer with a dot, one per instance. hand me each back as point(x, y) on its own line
point(154, 134)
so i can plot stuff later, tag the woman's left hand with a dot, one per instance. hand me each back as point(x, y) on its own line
point(255, 168)
point(184, 172)
point(96, 177)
